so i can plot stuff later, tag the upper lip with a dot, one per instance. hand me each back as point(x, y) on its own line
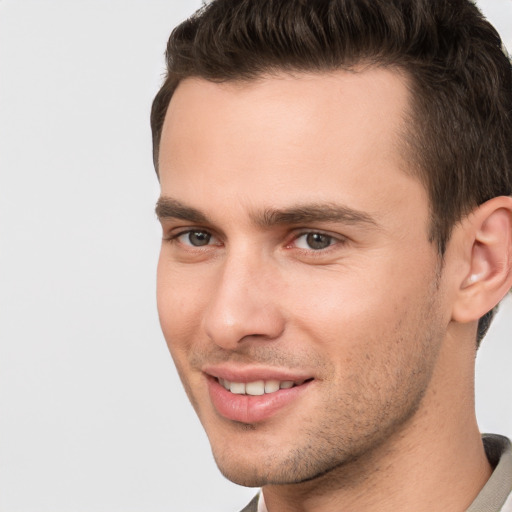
point(248, 373)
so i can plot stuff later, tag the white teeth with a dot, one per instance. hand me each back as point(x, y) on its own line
point(258, 387)
point(238, 388)
point(271, 386)
point(255, 388)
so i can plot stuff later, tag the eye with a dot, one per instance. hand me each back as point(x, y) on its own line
point(314, 241)
point(196, 238)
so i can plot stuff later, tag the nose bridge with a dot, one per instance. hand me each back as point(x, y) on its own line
point(242, 304)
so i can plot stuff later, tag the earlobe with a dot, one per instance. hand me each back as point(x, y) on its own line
point(489, 255)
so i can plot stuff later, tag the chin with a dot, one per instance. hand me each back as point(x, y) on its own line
point(277, 467)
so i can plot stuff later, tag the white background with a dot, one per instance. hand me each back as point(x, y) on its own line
point(92, 415)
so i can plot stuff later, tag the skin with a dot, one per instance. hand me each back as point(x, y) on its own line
point(368, 317)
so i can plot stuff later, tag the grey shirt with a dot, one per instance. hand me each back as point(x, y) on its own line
point(496, 496)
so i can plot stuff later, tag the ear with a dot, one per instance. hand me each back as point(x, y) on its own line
point(487, 253)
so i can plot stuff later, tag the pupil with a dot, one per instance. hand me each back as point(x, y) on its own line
point(318, 241)
point(199, 238)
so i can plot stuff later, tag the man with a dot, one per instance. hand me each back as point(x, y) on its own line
point(337, 232)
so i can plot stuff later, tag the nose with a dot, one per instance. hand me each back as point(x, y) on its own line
point(244, 305)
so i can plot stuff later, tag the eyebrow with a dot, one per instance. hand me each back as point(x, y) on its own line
point(309, 213)
point(167, 208)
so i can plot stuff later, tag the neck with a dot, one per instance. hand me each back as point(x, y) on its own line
point(436, 461)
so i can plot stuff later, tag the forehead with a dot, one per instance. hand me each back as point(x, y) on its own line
point(320, 135)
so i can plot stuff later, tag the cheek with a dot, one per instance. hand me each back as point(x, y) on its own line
point(179, 306)
point(361, 309)
point(338, 301)
point(180, 301)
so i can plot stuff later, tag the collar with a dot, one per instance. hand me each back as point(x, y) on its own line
point(493, 496)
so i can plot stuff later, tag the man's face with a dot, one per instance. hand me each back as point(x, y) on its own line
point(296, 253)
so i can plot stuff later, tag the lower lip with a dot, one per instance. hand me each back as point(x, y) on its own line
point(248, 408)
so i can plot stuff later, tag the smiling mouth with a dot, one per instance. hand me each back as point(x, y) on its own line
point(259, 387)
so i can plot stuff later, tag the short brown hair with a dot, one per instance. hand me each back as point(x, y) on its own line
point(460, 79)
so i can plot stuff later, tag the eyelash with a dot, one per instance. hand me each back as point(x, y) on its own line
point(174, 238)
point(334, 240)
